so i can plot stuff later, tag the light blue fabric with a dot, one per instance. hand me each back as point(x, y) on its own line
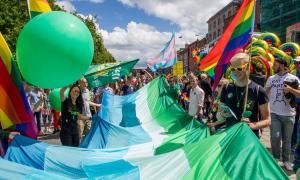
point(104, 134)
point(71, 162)
point(17, 152)
point(10, 170)
point(116, 125)
point(122, 170)
point(75, 163)
point(117, 109)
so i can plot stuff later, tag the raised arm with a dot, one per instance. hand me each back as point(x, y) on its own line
point(62, 94)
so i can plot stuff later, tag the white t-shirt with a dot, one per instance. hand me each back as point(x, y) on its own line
point(196, 99)
point(86, 106)
point(278, 103)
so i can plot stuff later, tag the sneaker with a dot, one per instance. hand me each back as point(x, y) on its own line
point(41, 133)
point(279, 162)
point(55, 131)
point(48, 130)
point(288, 166)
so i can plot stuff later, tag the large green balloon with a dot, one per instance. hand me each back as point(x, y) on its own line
point(54, 98)
point(54, 49)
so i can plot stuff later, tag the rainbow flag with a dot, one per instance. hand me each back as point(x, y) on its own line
point(166, 58)
point(5, 53)
point(234, 39)
point(37, 7)
point(14, 107)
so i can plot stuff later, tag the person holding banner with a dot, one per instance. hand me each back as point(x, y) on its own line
point(245, 107)
point(71, 112)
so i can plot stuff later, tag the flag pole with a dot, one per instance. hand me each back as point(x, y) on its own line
point(148, 73)
point(249, 64)
point(28, 4)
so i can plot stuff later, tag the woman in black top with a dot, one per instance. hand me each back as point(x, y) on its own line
point(71, 111)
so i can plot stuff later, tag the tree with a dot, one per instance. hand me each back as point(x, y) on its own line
point(101, 55)
point(14, 15)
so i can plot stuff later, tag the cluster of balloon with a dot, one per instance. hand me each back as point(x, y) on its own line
point(271, 38)
point(198, 55)
point(265, 48)
point(54, 98)
point(54, 49)
point(292, 50)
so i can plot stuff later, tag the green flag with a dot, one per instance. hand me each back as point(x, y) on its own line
point(99, 75)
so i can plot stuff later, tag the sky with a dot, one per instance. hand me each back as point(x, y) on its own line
point(134, 29)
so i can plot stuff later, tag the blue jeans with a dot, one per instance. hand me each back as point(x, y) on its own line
point(281, 129)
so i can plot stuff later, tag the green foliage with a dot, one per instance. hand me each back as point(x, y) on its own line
point(14, 15)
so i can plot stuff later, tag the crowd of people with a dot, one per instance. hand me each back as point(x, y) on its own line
point(249, 97)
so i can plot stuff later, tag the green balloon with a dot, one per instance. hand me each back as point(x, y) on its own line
point(54, 50)
point(54, 98)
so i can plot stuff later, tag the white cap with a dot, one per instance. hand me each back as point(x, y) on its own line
point(297, 59)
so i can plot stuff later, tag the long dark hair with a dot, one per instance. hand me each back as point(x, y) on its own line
point(79, 100)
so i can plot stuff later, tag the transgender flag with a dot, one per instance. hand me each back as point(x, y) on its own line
point(166, 58)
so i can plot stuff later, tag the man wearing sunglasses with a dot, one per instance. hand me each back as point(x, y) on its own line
point(233, 95)
point(282, 114)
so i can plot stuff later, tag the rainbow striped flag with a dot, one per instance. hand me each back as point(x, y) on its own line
point(37, 7)
point(5, 53)
point(166, 58)
point(234, 39)
point(14, 107)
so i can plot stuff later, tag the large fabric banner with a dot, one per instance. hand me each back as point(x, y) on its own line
point(146, 135)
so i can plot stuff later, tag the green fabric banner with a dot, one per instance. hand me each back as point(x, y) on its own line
point(99, 75)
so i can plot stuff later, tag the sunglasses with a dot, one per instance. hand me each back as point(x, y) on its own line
point(240, 68)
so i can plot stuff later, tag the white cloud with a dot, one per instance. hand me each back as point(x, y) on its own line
point(66, 5)
point(69, 7)
point(143, 41)
point(138, 40)
point(189, 15)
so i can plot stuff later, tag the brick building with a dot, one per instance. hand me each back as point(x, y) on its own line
point(185, 54)
point(219, 22)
